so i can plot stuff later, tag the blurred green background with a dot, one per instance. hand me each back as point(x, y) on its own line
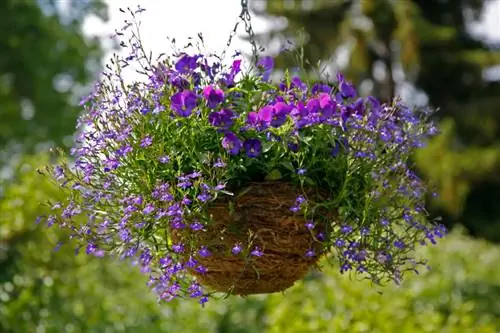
point(423, 50)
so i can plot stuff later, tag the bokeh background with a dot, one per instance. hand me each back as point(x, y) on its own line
point(442, 54)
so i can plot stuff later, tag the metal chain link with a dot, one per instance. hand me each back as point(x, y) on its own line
point(246, 18)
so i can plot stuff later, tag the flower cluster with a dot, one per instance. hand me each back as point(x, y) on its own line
point(151, 156)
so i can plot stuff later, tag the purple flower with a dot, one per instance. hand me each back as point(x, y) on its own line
point(194, 175)
point(228, 79)
point(196, 226)
point(148, 209)
point(222, 118)
point(346, 90)
point(146, 142)
point(340, 242)
point(201, 269)
point(191, 262)
point(58, 172)
point(204, 252)
point(265, 115)
point(236, 66)
point(342, 144)
point(319, 88)
point(309, 225)
point(280, 112)
point(346, 229)
point(213, 96)
point(298, 84)
point(178, 248)
point(310, 253)
point(399, 244)
point(266, 64)
point(236, 249)
point(256, 252)
point(326, 106)
point(253, 147)
point(186, 201)
point(219, 187)
point(164, 159)
point(204, 197)
point(184, 184)
point(124, 150)
point(219, 163)
point(253, 119)
point(300, 199)
point(91, 248)
point(231, 143)
point(293, 147)
point(183, 102)
point(186, 63)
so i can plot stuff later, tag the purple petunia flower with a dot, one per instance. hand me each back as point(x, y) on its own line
point(265, 115)
point(231, 143)
point(266, 64)
point(253, 119)
point(326, 106)
point(270, 115)
point(186, 63)
point(298, 84)
point(184, 102)
point(228, 79)
point(253, 147)
point(319, 88)
point(213, 96)
point(280, 112)
point(346, 89)
point(301, 115)
point(221, 119)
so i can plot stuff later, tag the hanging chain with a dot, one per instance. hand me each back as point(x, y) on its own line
point(246, 18)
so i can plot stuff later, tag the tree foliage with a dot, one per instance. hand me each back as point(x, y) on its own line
point(44, 57)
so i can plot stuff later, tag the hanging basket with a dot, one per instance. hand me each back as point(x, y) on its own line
point(261, 217)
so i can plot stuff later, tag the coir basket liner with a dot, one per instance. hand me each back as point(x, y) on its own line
point(260, 216)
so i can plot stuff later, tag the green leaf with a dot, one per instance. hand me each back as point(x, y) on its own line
point(274, 175)
point(288, 165)
point(309, 181)
point(266, 147)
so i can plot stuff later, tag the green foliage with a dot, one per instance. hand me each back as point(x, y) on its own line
point(459, 294)
point(44, 57)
